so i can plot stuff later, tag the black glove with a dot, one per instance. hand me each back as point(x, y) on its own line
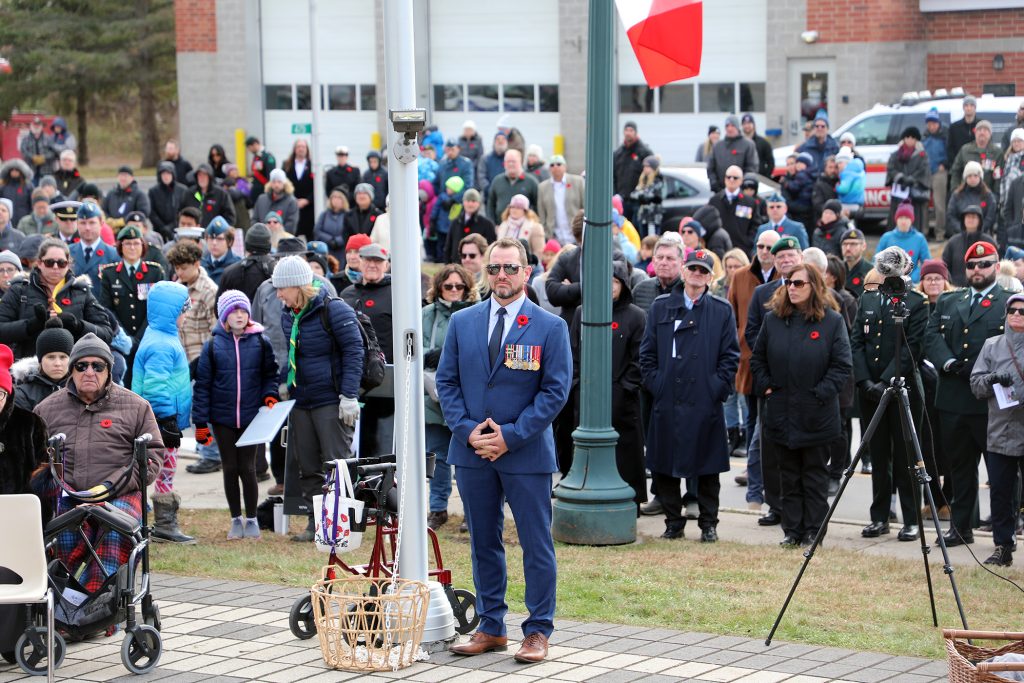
point(34, 324)
point(955, 367)
point(964, 371)
point(872, 390)
point(169, 432)
point(432, 358)
point(898, 179)
point(1003, 378)
point(72, 324)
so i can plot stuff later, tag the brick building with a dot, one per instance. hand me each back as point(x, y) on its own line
point(245, 64)
point(850, 54)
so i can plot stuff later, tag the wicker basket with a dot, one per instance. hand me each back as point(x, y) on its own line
point(963, 656)
point(363, 627)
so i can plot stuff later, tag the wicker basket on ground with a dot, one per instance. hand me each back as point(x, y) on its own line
point(967, 661)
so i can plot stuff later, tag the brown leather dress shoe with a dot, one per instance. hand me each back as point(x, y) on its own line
point(480, 643)
point(533, 650)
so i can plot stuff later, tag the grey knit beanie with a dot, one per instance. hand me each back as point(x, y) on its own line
point(292, 271)
point(257, 239)
point(91, 346)
point(8, 256)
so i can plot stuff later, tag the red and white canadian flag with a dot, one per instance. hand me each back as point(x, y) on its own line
point(666, 35)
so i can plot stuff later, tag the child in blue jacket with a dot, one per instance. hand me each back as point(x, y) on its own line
point(236, 377)
point(160, 375)
point(908, 238)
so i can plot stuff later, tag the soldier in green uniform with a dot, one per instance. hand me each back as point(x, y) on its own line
point(958, 328)
point(874, 342)
point(853, 245)
point(124, 284)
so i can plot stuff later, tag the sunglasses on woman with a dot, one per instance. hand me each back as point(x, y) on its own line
point(55, 263)
point(796, 283)
point(509, 268)
point(1015, 310)
point(454, 287)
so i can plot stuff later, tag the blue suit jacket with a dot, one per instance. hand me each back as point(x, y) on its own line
point(523, 402)
point(789, 227)
point(91, 267)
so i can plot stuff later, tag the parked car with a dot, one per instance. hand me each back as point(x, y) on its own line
point(877, 132)
point(686, 189)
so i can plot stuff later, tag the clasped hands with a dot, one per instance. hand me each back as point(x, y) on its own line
point(489, 445)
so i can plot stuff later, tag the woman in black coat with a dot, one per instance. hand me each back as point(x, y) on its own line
point(299, 169)
point(908, 168)
point(800, 363)
point(628, 323)
point(50, 290)
point(972, 192)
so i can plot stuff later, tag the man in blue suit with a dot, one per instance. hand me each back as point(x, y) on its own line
point(91, 252)
point(504, 375)
point(781, 223)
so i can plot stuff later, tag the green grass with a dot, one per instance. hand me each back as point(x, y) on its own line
point(844, 600)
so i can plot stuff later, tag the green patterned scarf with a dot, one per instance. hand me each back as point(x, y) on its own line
point(293, 339)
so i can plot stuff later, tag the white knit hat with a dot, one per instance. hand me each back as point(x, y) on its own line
point(278, 174)
point(972, 168)
point(292, 271)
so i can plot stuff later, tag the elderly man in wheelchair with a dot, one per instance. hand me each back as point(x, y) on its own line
point(95, 463)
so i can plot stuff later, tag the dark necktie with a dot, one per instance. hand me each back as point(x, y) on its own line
point(88, 253)
point(494, 345)
point(131, 271)
point(975, 300)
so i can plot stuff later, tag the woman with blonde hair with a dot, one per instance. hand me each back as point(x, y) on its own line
point(452, 289)
point(520, 223)
point(800, 363)
point(733, 261)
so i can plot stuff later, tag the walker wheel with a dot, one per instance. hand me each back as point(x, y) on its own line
point(152, 616)
point(30, 651)
point(141, 649)
point(464, 609)
point(300, 618)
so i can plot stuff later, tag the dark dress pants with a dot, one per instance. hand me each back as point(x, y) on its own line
point(891, 462)
point(965, 437)
point(803, 487)
point(708, 487)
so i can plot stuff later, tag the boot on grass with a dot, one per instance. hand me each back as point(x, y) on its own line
point(165, 512)
point(308, 534)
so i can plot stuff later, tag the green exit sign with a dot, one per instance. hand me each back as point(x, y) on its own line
point(302, 129)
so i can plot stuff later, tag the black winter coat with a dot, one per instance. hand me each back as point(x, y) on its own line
point(824, 189)
point(23, 435)
point(462, 226)
point(26, 296)
point(305, 188)
point(358, 222)
point(566, 267)
point(913, 172)
point(119, 203)
point(216, 202)
point(738, 218)
point(374, 300)
point(164, 203)
point(627, 163)
point(31, 385)
point(379, 181)
point(246, 276)
point(346, 177)
point(805, 363)
point(960, 200)
point(827, 236)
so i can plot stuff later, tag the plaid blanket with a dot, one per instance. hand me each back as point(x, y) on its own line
point(111, 547)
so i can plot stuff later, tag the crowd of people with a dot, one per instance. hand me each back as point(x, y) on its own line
point(754, 328)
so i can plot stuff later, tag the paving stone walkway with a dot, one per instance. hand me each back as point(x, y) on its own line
point(225, 631)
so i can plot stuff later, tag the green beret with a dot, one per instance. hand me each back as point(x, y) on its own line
point(129, 232)
point(787, 242)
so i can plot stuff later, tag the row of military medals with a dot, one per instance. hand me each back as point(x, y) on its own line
point(522, 357)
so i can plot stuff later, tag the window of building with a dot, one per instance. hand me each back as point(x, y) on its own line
point(341, 97)
point(1000, 89)
point(482, 98)
point(368, 97)
point(277, 96)
point(548, 99)
point(752, 97)
point(717, 97)
point(636, 99)
point(303, 97)
point(677, 99)
point(518, 98)
point(449, 98)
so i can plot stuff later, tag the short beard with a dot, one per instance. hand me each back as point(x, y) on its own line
point(984, 284)
point(513, 292)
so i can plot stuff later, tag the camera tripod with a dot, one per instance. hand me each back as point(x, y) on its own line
point(896, 391)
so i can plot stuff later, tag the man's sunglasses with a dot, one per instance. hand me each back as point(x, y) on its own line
point(764, 246)
point(453, 287)
point(796, 283)
point(468, 257)
point(693, 268)
point(972, 265)
point(55, 263)
point(96, 365)
point(509, 268)
point(733, 177)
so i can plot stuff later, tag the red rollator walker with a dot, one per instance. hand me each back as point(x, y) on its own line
point(374, 484)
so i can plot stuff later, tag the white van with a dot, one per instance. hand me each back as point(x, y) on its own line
point(877, 132)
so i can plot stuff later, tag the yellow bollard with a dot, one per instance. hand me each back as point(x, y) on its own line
point(240, 151)
point(375, 140)
point(559, 145)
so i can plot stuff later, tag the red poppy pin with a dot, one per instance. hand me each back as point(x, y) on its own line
point(522, 320)
point(370, 303)
point(982, 155)
point(856, 280)
point(635, 157)
point(828, 235)
point(65, 301)
point(373, 219)
point(734, 151)
point(815, 334)
point(465, 230)
point(984, 204)
point(138, 275)
point(615, 326)
point(985, 303)
point(910, 252)
point(99, 252)
point(376, 178)
point(106, 423)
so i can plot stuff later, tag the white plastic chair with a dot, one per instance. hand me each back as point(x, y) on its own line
point(22, 551)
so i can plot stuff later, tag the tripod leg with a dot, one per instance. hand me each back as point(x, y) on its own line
point(922, 478)
point(809, 553)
